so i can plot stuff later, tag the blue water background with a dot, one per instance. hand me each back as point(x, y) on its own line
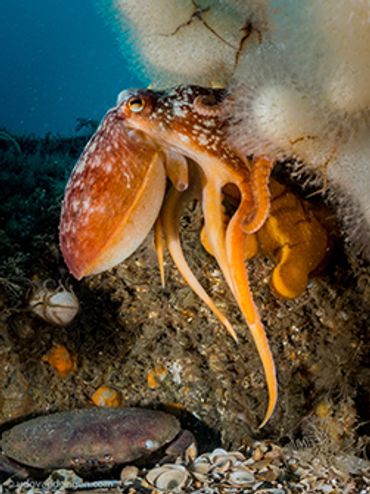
point(59, 60)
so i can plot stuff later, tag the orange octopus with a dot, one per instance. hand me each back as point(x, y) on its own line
point(117, 193)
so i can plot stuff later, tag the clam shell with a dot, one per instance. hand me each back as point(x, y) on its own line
point(130, 472)
point(220, 455)
point(201, 467)
point(223, 461)
point(168, 477)
point(216, 463)
point(241, 477)
point(222, 464)
point(191, 453)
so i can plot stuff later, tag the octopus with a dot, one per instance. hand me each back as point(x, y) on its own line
point(118, 191)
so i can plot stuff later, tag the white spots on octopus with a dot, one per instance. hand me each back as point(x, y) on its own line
point(75, 205)
point(209, 122)
point(96, 162)
point(179, 110)
point(184, 138)
point(80, 168)
point(203, 140)
point(86, 204)
point(127, 176)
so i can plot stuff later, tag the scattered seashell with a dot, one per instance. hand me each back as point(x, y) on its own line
point(105, 396)
point(55, 305)
point(61, 359)
point(168, 477)
point(257, 454)
point(272, 490)
point(191, 453)
point(201, 467)
point(241, 478)
point(217, 452)
point(129, 473)
point(274, 453)
point(221, 465)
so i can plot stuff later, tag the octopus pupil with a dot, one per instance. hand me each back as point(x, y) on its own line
point(136, 104)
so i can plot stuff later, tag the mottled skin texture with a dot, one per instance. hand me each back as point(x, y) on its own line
point(88, 439)
point(117, 193)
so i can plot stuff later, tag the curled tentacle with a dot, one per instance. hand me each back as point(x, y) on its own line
point(260, 178)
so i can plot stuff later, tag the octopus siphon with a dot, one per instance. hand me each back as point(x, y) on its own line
point(117, 192)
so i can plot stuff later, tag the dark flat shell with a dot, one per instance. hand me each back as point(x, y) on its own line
point(95, 436)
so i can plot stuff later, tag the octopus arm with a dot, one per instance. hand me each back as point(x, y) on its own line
point(170, 216)
point(236, 240)
point(177, 169)
point(229, 246)
point(160, 245)
point(260, 178)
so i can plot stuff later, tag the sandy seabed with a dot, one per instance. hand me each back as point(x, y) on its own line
point(129, 327)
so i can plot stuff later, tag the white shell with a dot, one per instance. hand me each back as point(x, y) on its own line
point(201, 467)
point(219, 456)
point(56, 306)
point(130, 472)
point(216, 463)
point(241, 477)
point(168, 477)
point(191, 453)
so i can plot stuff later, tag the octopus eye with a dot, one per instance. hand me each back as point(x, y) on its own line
point(136, 104)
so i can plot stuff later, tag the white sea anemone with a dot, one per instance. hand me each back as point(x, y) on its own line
point(298, 73)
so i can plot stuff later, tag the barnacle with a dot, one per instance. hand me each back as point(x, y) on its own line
point(56, 305)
